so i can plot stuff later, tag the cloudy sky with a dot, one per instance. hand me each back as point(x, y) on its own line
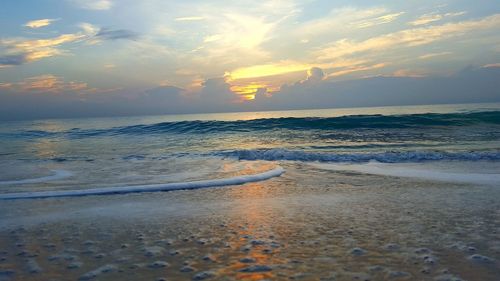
point(72, 58)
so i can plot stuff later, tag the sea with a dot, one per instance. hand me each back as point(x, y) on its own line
point(76, 154)
point(403, 193)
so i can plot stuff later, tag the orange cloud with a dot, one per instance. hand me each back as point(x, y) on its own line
point(249, 90)
point(266, 70)
point(47, 83)
point(39, 23)
point(43, 48)
point(37, 49)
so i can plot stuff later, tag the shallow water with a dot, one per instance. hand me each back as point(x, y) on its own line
point(367, 194)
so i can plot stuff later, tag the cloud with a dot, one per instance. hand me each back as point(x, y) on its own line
point(492, 65)
point(286, 67)
point(110, 34)
point(39, 23)
point(344, 20)
point(11, 60)
point(429, 18)
point(432, 55)
point(234, 38)
point(403, 89)
point(216, 91)
point(37, 97)
point(378, 20)
point(245, 31)
point(212, 38)
point(248, 81)
point(267, 70)
point(88, 28)
point(407, 73)
point(93, 4)
point(194, 18)
point(356, 68)
point(71, 103)
point(47, 83)
point(19, 51)
point(406, 38)
point(249, 90)
point(315, 75)
point(212, 95)
point(166, 96)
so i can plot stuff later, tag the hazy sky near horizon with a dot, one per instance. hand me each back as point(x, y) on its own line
point(103, 57)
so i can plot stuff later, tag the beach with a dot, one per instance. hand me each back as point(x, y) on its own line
point(308, 224)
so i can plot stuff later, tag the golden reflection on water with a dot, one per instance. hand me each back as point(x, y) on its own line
point(46, 148)
point(254, 235)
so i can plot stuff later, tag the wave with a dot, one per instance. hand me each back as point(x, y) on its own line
point(147, 188)
point(289, 123)
point(58, 174)
point(383, 157)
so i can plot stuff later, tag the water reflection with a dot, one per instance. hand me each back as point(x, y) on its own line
point(254, 246)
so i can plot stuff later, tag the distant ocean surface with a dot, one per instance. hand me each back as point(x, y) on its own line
point(79, 154)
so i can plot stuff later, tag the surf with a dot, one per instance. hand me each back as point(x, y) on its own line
point(58, 175)
point(419, 172)
point(238, 180)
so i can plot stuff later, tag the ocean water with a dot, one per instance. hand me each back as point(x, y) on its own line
point(50, 155)
point(394, 193)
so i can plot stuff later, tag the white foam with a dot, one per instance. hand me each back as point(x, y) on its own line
point(399, 170)
point(147, 188)
point(58, 174)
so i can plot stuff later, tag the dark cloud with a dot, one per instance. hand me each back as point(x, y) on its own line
point(110, 34)
point(9, 60)
point(467, 86)
point(472, 85)
point(216, 95)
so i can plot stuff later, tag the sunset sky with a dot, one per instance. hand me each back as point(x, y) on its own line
point(71, 58)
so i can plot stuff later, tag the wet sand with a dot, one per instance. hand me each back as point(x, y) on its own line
point(308, 224)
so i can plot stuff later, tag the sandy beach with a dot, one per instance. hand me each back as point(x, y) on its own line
point(308, 224)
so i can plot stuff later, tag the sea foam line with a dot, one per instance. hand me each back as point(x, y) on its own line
point(427, 173)
point(58, 174)
point(147, 188)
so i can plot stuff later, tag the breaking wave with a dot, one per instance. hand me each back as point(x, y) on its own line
point(289, 123)
point(147, 188)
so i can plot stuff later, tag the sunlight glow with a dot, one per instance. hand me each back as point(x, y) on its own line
point(266, 70)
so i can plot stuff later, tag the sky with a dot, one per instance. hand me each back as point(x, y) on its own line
point(84, 58)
